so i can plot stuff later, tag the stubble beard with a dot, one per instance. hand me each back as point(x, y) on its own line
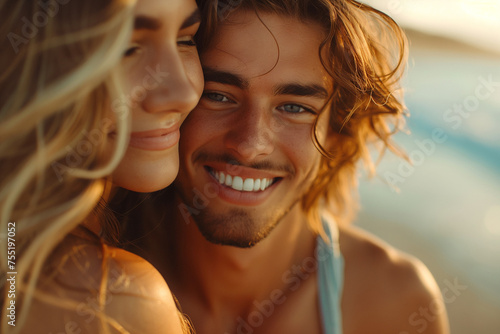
point(237, 227)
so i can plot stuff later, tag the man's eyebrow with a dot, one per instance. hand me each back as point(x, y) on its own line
point(301, 90)
point(228, 78)
point(146, 22)
point(194, 18)
point(224, 77)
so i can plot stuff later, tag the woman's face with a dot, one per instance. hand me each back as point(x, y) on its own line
point(163, 84)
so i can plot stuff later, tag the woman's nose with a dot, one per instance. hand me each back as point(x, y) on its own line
point(172, 88)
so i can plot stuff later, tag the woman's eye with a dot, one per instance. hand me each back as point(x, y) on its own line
point(187, 41)
point(216, 97)
point(295, 109)
point(131, 51)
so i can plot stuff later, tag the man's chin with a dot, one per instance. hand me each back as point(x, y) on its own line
point(236, 229)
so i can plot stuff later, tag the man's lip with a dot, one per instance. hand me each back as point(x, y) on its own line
point(243, 171)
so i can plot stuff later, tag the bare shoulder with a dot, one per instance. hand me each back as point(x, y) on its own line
point(93, 286)
point(393, 291)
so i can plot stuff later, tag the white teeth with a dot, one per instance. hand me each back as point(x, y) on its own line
point(263, 184)
point(248, 185)
point(229, 180)
point(240, 184)
point(237, 183)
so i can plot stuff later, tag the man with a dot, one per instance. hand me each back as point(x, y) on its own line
point(248, 245)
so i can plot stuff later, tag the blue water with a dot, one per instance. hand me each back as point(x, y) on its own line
point(451, 197)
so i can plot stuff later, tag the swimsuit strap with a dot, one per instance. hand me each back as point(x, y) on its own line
point(330, 277)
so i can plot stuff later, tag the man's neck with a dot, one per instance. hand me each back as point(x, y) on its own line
point(224, 275)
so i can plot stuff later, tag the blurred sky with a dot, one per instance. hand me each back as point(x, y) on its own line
point(474, 21)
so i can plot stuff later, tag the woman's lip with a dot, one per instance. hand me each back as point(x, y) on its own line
point(155, 140)
point(153, 133)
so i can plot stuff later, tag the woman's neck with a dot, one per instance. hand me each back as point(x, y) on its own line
point(93, 223)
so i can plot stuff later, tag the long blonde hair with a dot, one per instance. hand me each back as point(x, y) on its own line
point(55, 113)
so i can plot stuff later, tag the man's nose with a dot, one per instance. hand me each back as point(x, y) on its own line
point(251, 136)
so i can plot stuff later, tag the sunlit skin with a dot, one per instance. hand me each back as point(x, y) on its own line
point(163, 83)
point(264, 126)
point(258, 128)
point(254, 121)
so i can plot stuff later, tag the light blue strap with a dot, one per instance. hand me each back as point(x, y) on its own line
point(330, 279)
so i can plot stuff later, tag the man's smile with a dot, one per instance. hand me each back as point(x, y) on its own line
point(240, 182)
point(242, 185)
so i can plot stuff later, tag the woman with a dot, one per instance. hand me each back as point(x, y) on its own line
point(92, 99)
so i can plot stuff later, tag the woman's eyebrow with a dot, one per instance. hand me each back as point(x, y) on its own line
point(147, 23)
point(194, 18)
point(150, 23)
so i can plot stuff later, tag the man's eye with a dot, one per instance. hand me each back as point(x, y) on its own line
point(216, 97)
point(295, 109)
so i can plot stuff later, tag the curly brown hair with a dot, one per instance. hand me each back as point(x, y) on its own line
point(364, 52)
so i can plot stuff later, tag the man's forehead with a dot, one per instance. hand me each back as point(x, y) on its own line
point(253, 46)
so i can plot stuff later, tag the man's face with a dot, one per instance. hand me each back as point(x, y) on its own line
point(247, 155)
